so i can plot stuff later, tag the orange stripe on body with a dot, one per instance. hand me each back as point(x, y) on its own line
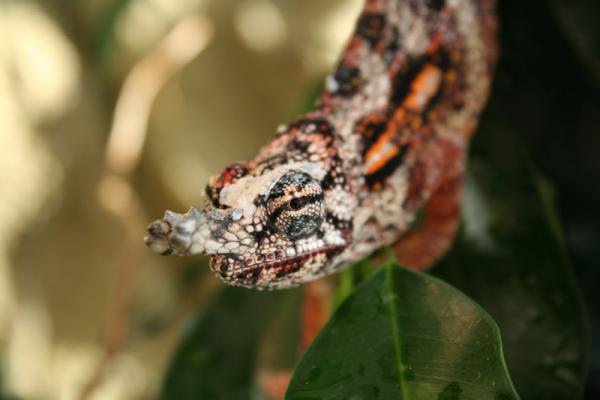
point(385, 148)
point(423, 88)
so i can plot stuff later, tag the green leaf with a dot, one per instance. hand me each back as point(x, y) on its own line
point(217, 359)
point(510, 258)
point(237, 334)
point(404, 335)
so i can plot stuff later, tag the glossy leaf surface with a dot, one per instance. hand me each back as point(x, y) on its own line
point(404, 335)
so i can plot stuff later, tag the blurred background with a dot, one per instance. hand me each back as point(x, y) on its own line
point(112, 111)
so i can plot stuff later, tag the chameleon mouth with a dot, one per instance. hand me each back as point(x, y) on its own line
point(248, 269)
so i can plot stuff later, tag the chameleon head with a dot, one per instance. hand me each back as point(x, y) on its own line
point(272, 226)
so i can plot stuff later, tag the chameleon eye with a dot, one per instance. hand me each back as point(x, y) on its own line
point(296, 205)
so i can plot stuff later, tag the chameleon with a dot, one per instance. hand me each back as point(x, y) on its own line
point(386, 139)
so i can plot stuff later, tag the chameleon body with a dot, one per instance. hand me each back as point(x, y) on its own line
point(386, 139)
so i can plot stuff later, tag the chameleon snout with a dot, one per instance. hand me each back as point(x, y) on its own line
point(178, 233)
point(194, 232)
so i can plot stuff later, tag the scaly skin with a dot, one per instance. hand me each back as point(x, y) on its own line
point(387, 138)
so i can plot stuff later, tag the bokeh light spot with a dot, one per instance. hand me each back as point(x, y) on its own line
point(260, 24)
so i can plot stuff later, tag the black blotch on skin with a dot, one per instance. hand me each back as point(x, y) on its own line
point(298, 146)
point(323, 127)
point(393, 44)
point(259, 236)
point(339, 224)
point(436, 5)
point(442, 60)
point(348, 80)
point(224, 267)
point(370, 131)
point(329, 181)
point(403, 80)
point(320, 233)
point(212, 194)
point(370, 27)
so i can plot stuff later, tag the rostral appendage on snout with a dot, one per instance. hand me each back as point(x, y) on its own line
point(189, 233)
point(174, 233)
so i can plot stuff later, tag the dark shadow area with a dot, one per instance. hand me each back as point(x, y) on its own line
point(548, 88)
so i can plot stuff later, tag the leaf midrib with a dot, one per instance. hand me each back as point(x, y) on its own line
point(401, 366)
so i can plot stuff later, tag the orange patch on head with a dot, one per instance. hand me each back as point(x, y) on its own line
point(423, 88)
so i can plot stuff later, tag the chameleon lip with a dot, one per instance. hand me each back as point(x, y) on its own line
point(247, 264)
